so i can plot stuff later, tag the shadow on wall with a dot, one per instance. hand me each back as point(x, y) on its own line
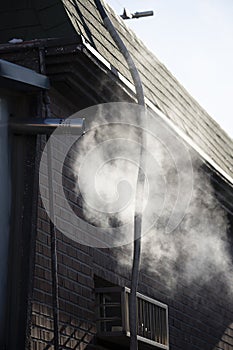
point(73, 334)
point(201, 318)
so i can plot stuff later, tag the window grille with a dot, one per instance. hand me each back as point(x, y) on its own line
point(113, 318)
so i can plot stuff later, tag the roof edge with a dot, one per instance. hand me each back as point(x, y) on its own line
point(161, 114)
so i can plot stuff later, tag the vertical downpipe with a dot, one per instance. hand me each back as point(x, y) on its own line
point(4, 212)
point(53, 233)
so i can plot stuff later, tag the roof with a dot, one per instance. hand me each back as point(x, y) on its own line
point(59, 18)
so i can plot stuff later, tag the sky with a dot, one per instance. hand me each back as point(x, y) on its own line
point(194, 39)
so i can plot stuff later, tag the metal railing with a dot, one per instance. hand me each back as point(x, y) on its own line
point(113, 317)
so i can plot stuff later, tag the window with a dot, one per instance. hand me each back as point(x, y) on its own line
point(113, 318)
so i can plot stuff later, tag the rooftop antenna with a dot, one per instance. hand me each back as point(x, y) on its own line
point(128, 15)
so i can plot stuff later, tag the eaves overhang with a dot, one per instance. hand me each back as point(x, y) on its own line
point(18, 77)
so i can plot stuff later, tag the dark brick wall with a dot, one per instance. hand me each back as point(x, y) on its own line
point(75, 277)
point(199, 317)
point(76, 298)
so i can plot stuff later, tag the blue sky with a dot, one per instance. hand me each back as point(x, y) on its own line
point(194, 39)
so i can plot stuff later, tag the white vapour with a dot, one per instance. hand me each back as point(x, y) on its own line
point(184, 228)
point(198, 250)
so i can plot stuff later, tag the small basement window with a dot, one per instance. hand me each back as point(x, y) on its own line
point(113, 318)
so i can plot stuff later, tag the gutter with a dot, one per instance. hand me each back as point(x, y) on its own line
point(21, 77)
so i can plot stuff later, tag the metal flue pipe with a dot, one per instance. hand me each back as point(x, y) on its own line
point(123, 49)
point(47, 126)
point(142, 14)
point(128, 15)
point(140, 178)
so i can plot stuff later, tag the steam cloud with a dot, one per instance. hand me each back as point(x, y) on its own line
point(184, 227)
point(197, 251)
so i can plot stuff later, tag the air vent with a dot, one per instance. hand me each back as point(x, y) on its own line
point(113, 318)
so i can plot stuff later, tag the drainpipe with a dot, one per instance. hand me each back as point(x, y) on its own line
point(140, 178)
point(45, 126)
point(53, 233)
point(4, 213)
